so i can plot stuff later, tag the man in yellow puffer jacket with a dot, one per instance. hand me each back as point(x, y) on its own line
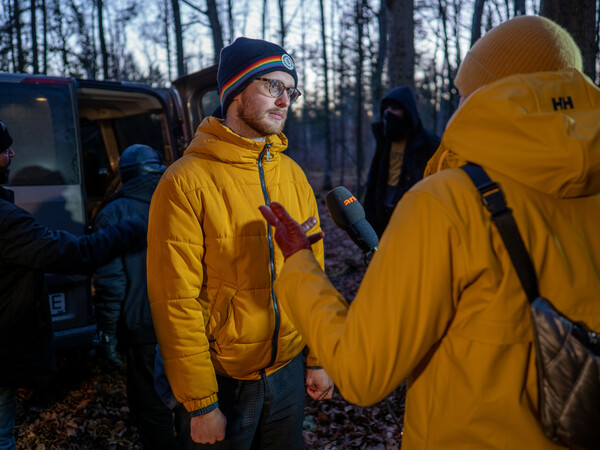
point(231, 355)
point(441, 303)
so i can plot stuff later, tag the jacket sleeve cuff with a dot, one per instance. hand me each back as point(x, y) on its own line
point(201, 404)
point(312, 361)
point(205, 410)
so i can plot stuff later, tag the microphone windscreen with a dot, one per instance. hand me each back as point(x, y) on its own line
point(349, 215)
point(343, 207)
point(363, 235)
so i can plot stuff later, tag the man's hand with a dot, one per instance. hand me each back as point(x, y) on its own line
point(289, 234)
point(318, 384)
point(208, 428)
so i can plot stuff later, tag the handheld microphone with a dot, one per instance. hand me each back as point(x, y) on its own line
point(349, 215)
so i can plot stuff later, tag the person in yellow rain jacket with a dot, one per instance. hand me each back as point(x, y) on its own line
point(441, 303)
point(231, 355)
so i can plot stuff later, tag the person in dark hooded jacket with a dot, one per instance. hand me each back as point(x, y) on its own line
point(27, 250)
point(403, 147)
point(121, 298)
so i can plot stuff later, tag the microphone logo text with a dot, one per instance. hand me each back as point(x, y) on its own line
point(350, 200)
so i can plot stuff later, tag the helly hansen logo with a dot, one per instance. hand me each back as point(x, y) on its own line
point(350, 200)
point(562, 103)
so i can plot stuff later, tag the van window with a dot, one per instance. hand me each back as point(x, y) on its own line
point(210, 102)
point(202, 104)
point(140, 129)
point(42, 124)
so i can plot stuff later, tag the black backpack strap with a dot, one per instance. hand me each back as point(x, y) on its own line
point(494, 200)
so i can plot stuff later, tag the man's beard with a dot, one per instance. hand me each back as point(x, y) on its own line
point(249, 114)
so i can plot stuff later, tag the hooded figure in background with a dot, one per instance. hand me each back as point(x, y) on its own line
point(121, 299)
point(403, 147)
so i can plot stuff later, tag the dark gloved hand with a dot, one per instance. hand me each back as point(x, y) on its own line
point(108, 347)
point(289, 234)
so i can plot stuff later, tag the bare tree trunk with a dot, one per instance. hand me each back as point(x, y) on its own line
point(178, 38)
point(342, 96)
point(168, 40)
point(327, 118)
point(519, 7)
point(579, 19)
point(282, 22)
point(45, 37)
point(11, 32)
point(103, 50)
point(264, 20)
point(376, 83)
point(17, 22)
point(57, 13)
point(303, 141)
point(476, 24)
point(445, 104)
point(401, 60)
point(359, 97)
point(230, 19)
point(597, 40)
point(334, 124)
point(215, 26)
point(454, 95)
point(34, 43)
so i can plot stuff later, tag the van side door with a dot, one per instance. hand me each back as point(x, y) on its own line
point(46, 177)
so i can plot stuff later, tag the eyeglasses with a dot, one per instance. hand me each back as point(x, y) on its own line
point(276, 89)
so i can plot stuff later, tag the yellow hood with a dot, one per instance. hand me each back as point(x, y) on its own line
point(539, 140)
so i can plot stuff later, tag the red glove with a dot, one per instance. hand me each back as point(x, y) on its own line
point(289, 234)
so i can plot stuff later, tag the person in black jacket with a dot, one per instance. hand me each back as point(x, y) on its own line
point(121, 299)
point(403, 147)
point(27, 250)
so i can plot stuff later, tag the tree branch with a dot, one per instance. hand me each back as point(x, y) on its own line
point(195, 7)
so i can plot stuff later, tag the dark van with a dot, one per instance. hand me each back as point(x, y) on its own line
point(68, 136)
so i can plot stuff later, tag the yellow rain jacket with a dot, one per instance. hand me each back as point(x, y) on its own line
point(441, 303)
point(211, 261)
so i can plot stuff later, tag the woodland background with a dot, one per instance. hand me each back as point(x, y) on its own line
point(349, 53)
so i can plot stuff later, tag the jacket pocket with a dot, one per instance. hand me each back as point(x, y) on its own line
point(220, 315)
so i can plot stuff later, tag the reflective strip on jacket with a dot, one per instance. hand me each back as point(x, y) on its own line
point(209, 261)
point(440, 303)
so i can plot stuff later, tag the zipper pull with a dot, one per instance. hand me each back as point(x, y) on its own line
point(267, 149)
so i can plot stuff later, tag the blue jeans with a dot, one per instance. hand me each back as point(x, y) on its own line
point(8, 411)
point(261, 414)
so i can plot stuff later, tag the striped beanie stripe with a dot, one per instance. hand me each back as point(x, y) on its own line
point(271, 64)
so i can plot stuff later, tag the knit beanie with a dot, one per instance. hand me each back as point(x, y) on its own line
point(524, 44)
point(5, 139)
point(245, 60)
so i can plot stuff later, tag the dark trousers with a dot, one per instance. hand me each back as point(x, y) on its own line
point(261, 414)
point(153, 419)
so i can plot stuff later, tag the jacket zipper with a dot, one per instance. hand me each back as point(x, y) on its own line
point(267, 149)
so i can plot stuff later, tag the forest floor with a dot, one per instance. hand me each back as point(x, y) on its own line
point(85, 407)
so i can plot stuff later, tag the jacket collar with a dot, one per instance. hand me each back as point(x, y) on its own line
point(215, 139)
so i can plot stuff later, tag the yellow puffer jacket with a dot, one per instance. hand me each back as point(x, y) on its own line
point(210, 261)
point(441, 303)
